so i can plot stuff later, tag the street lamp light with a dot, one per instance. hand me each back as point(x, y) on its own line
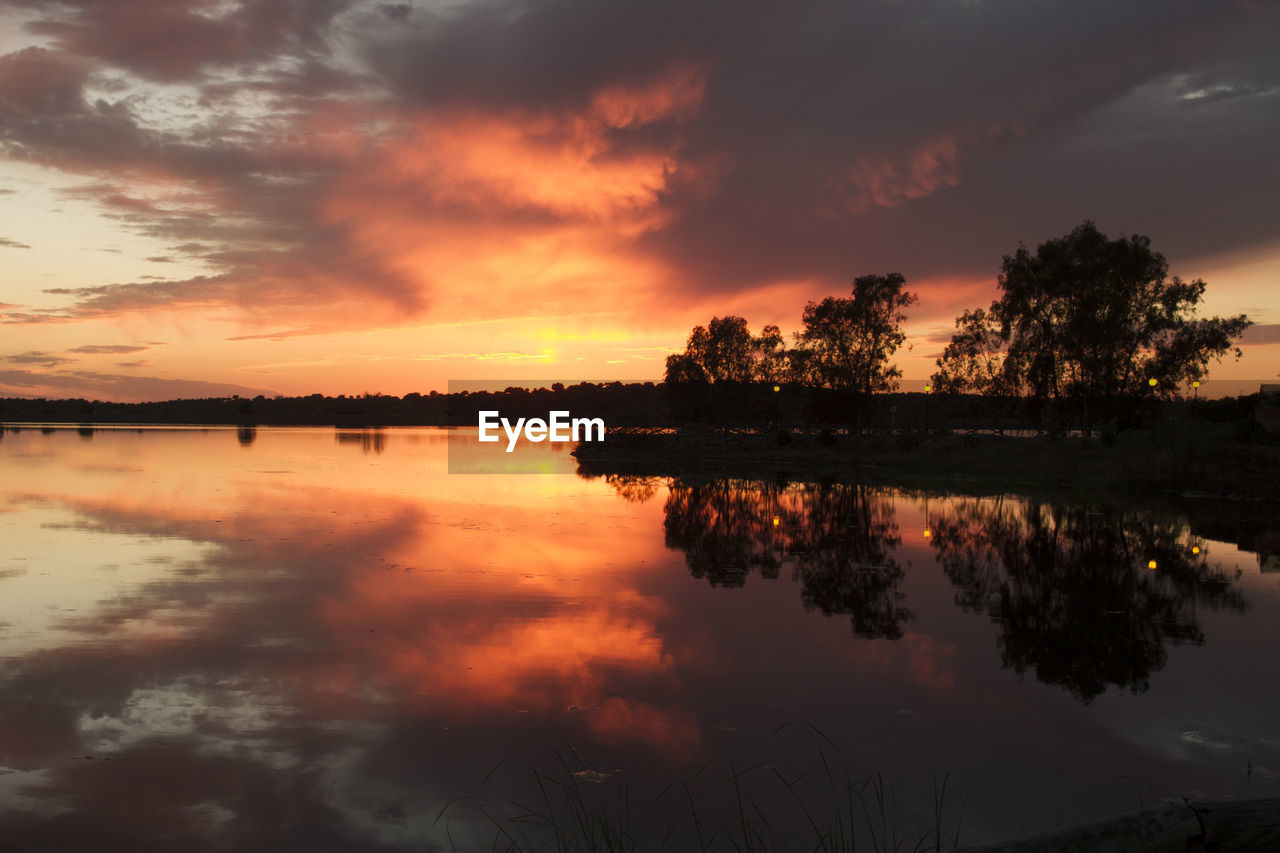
point(1195, 390)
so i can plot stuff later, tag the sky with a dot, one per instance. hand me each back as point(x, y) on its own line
point(216, 197)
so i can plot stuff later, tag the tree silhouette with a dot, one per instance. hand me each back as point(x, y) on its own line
point(1088, 319)
point(1072, 591)
point(725, 372)
point(846, 343)
point(837, 539)
point(725, 351)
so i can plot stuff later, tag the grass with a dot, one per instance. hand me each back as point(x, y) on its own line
point(756, 809)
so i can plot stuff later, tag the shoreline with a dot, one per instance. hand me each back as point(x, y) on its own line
point(1200, 462)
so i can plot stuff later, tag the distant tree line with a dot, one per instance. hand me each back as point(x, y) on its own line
point(1083, 328)
point(618, 403)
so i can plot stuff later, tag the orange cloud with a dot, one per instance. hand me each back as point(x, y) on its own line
point(676, 94)
point(492, 210)
point(931, 165)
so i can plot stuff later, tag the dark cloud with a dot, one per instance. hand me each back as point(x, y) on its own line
point(180, 39)
point(556, 54)
point(934, 143)
point(268, 280)
point(396, 11)
point(840, 138)
point(114, 349)
point(36, 81)
point(6, 243)
point(43, 359)
point(1262, 333)
point(275, 336)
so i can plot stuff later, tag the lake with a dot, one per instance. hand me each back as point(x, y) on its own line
point(309, 639)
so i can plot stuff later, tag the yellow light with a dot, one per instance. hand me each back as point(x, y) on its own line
point(1195, 384)
point(928, 388)
point(1195, 549)
point(776, 522)
point(1151, 382)
point(777, 387)
point(927, 533)
point(1151, 564)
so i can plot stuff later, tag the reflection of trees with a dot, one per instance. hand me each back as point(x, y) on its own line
point(632, 488)
point(246, 435)
point(369, 440)
point(836, 538)
point(1072, 590)
point(843, 559)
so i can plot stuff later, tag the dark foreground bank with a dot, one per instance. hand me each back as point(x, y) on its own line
point(1185, 827)
point(1198, 459)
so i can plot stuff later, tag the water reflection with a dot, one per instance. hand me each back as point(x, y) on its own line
point(370, 440)
point(287, 645)
point(247, 652)
point(837, 538)
point(1085, 599)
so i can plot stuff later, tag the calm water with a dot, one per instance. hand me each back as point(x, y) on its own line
point(302, 639)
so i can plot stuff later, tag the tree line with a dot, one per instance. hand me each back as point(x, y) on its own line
point(1085, 322)
point(1083, 326)
point(619, 403)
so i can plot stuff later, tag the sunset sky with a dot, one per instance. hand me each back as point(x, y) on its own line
point(212, 197)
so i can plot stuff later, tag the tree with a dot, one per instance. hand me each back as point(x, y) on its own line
point(772, 362)
point(724, 372)
point(974, 360)
point(847, 342)
point(1087, 319)
point(725, 351)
